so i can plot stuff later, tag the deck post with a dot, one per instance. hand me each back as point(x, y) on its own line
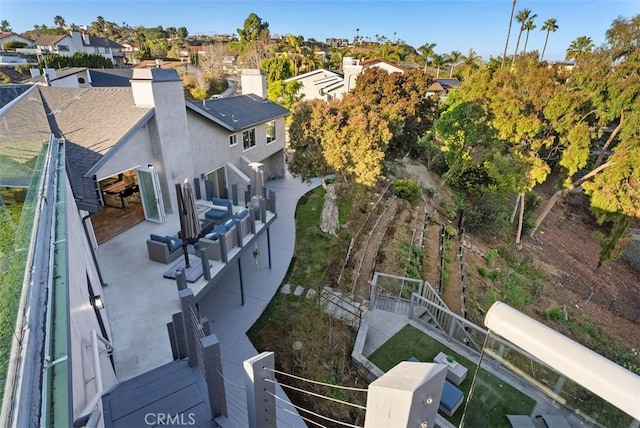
point(213, 375)
point(261, 390)
point(408, 395)
point(263, 210)
point(252, 220)
point(269, 245)
point(206, 269)
point(272, 201)
point(223, 249)
point(187, 301)
point(234, 193)
point(241, 282)
point(238, 224)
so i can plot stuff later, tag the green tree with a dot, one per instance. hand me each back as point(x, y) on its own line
point(5, 27)
point(182, 32)
point(284, 93)
point(401, 100)
point(506, 43)
point(78, 59)
point(550, 26)
point(529, 25)
point(522, 17)
point(59, 21)
point(438, 61)
point(98, 25)
point(453, 59)
point(253, 29)
point(578, 48)
point(276, 68)
point(471, 61)
point(426, 52)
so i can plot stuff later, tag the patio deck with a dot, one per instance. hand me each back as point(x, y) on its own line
point(140, 302)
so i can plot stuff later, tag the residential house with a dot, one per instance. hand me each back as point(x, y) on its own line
point(337, 43)
point(75, 140)
point(13, 37)
point(129, 50)
point(442, 87)
point(327, 85)
point(74, 41)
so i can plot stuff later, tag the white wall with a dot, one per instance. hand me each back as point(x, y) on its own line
point(82, 315)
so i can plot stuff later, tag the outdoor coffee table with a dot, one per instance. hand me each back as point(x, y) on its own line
point(456, 372)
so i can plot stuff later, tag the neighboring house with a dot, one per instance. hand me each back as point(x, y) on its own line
point(337, 43)
point(67, 77)
point(68, 44)
point(13, 37)
point(129, 50)
point(328, 85)
point(441, 87)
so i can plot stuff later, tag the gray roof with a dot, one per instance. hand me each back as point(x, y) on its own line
point(240, 112)
point(92, 121)
point(111, 77)
point(102, 42)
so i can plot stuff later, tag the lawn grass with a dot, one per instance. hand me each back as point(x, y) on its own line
point(492, 398)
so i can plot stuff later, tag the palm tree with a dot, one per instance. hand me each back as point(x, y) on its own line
point(522, 17)
point(58, 21)
point(550, 26)
point(438, 61)
point(506, 44)
point(579, 47)
point(357, 38)
point(427, 52)
point(529, 25)
point(454, 57)
point(471, 60)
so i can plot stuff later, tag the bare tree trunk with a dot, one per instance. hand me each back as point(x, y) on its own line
point(329, 217)
point(506, 44)
point(520, 219)
point(610, 140)
point(564, 192)
point(515, 209)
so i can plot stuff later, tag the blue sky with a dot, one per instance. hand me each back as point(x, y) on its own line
point(451, 24)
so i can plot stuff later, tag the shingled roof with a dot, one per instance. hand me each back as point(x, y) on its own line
point(240, 112)
point(49, 40)
point(92, 121)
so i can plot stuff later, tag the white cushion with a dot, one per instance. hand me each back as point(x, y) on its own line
point(219, 207)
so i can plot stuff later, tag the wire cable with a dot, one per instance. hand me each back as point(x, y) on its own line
point(313, 413)
point(230, 382)
point(316, 395)
point(304, 419)
point(351, 388)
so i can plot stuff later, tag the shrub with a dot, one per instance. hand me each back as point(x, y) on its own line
point(408, 189)
point(556, 314)
point(24, 69)
point(13, 45)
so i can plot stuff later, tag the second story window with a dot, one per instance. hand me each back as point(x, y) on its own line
point(233, 140)
point(249, 139)
point(63, 48)
point(271, 131)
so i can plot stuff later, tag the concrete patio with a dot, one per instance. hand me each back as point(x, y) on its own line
point(140, 301)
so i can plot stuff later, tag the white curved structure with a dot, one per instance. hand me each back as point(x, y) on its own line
point(611, 382)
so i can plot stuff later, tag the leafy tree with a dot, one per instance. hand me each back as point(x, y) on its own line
point(171, 32)
point(401, 99)
point(144, 51)
point(253, 29)
point(471, 61)
point(506, 43)
point(276, 68)
point(5, 27)
point(550, 26)
point(98, 25)
point(284, 93)
point(182, 32)
point(438, 61)
point(579, 47)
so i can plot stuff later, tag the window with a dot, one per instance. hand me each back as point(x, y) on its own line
point(233, 140)
point(271, 131)
point(249, 139)
point(63, 48)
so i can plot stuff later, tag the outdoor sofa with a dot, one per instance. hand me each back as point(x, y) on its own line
point(164, 249)
point(220, 211)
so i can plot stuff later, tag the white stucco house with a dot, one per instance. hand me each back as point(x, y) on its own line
point(75, 41)
point(7, 36)
point(327, 85)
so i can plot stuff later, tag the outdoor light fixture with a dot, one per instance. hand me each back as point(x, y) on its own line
point(149, 166)
point(96, 302)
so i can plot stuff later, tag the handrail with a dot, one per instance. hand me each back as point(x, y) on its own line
point(95, 401)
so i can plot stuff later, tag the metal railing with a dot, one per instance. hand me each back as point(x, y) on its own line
point(96, 400)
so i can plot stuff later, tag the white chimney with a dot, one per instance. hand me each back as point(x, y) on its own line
point(253, 81)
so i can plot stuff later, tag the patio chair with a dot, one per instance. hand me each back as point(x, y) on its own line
point(220, 212)
point(164, 249)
